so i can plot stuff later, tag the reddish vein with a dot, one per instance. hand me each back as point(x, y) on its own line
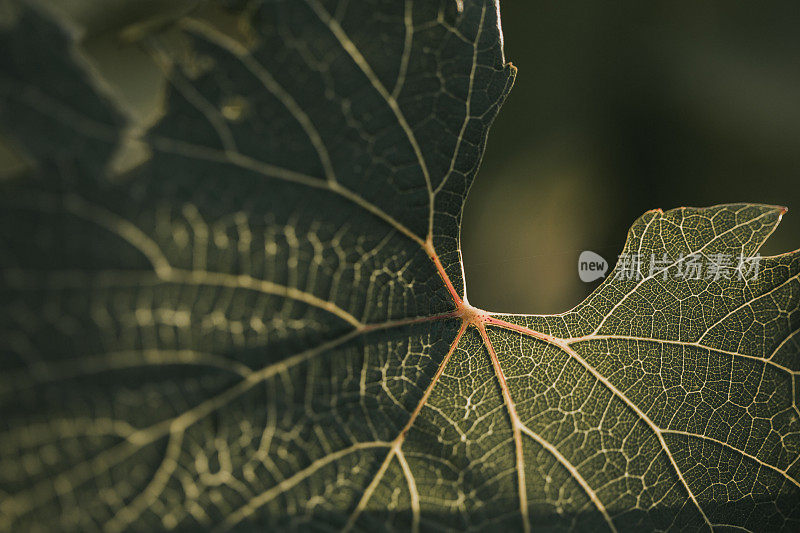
point(565, 347)
point(515, 426)
point(471, 316)
point(394, 447)
point(445, 278)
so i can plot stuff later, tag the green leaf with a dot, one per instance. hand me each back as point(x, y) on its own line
point(260, 320)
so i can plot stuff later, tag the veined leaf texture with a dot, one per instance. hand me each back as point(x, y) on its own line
point(263, 324)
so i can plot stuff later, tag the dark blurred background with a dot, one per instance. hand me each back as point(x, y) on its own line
point(621, 107)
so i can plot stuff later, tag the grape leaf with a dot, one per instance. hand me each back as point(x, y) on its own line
point(263, 322)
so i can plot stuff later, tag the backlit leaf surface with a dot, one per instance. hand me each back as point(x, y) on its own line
point(263, 323)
